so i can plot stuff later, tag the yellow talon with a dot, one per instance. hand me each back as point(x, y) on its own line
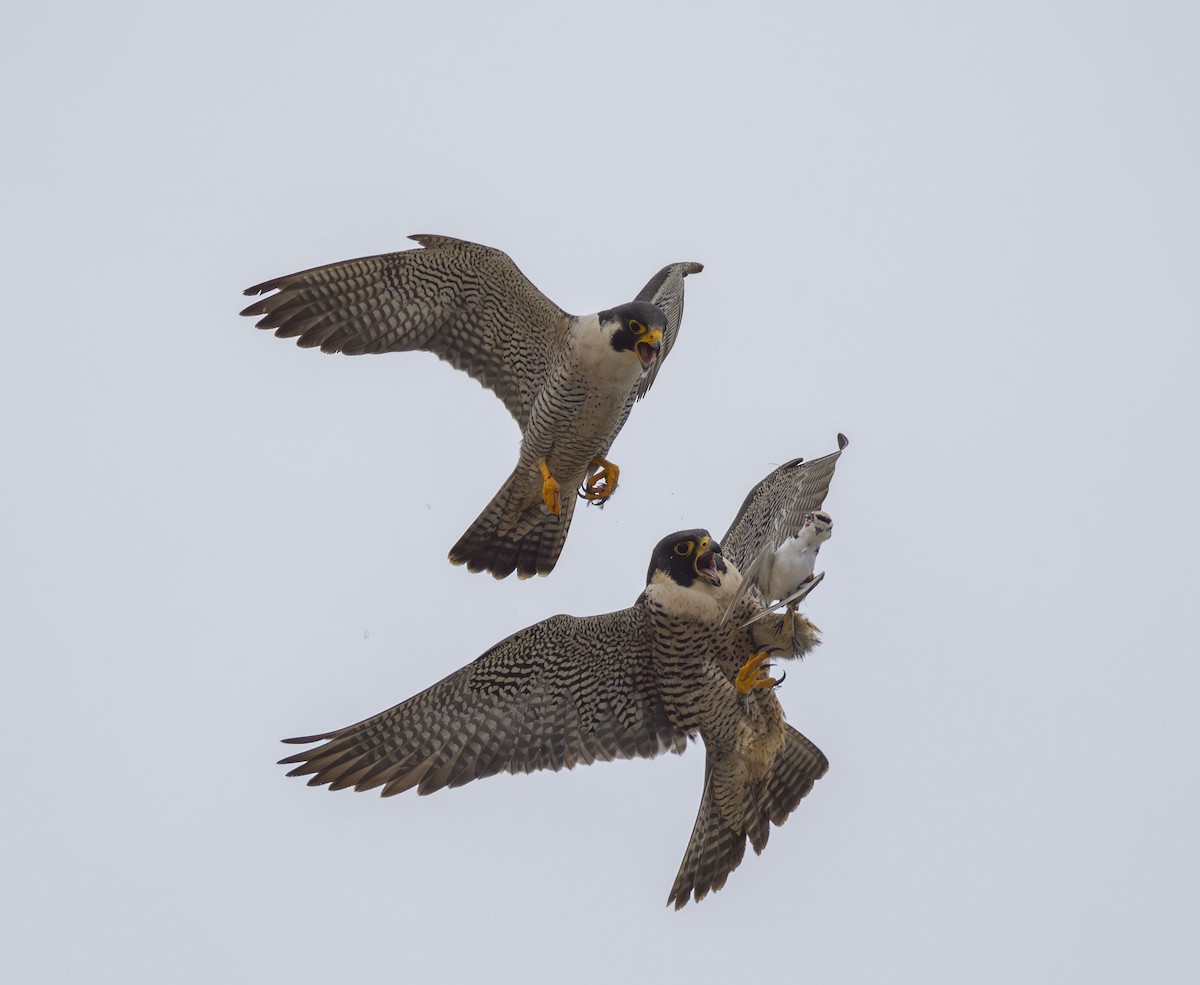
point(592, 490)
point(752, 675)
point(549, 489)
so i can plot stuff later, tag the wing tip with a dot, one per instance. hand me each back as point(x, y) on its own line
point(307, 740)
point(264, 288)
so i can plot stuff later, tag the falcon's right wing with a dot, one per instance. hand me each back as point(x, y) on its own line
point(566, 690)
point(467, 304)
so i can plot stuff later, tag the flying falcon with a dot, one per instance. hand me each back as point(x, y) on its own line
point(782, 557)
point(569, 380)
point(636, 682)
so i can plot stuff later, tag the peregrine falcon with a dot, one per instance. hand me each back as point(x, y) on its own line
point(636, 682)
point(783, 558)
point(569, 380)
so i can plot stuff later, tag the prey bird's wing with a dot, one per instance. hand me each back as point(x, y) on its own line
point(796, 596)
point(773, 511)
point(566, 690)
point(466, 303)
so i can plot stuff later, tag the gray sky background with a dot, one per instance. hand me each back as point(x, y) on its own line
point(967, 235)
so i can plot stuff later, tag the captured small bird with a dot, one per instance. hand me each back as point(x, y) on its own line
point(793, 563)
point(782, 565)
point(636, 682)
point(570, 381)
point(786, 574)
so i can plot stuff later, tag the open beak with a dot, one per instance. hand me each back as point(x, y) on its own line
point(647, 348)
point(706, 563)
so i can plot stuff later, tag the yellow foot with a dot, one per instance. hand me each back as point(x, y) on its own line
point(753, 675)
point(591, 490)
point(549, 489)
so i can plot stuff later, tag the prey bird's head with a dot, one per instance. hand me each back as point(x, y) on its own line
point(689, 557)
point(818, 525)
point(638, 328)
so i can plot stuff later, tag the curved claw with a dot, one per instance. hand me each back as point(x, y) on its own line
point(592, 490)
point(754, 675)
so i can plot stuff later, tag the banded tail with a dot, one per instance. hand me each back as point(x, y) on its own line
point(514, 532)
point(716, 847)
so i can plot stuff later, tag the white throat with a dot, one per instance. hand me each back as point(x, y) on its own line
point(700, 602)
point(590, 344)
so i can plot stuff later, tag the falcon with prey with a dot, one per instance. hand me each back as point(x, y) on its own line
point(569, 380)
point(636, 682)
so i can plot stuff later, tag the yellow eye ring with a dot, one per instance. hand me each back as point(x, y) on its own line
point(636, 327)
point(684, 548)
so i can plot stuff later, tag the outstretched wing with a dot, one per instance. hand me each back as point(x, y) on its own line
point(665, 291)
point(566, 690)
point(468, 304)
point(775, 508)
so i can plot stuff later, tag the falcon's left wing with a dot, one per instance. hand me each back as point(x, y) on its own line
point(774, 510)
point(665, 291)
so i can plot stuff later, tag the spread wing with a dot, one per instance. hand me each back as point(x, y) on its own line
point(775, 508)
point(468, 304)
point(566, 690)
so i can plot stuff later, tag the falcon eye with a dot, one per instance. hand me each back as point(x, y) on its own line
point(684, 548)
point(637, 327)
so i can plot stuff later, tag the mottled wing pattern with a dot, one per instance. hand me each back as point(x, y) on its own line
point(468, 304)
point(775, 507)
point(566, 690)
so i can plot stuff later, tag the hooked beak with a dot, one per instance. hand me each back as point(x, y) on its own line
point(648, 347)
point(705, 565)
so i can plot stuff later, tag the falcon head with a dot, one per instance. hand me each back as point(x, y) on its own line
point(689, 557)
point(637, 327)
point(818, 525)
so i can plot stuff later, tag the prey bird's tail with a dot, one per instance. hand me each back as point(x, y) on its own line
point(733, 809)
point(515, 533)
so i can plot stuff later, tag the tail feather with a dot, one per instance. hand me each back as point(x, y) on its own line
point(798, 766)
point(515, 533)
point(718, 841)
point(714, 851)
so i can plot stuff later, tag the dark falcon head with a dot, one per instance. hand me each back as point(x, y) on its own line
point(638, 327)
point(687, 556)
